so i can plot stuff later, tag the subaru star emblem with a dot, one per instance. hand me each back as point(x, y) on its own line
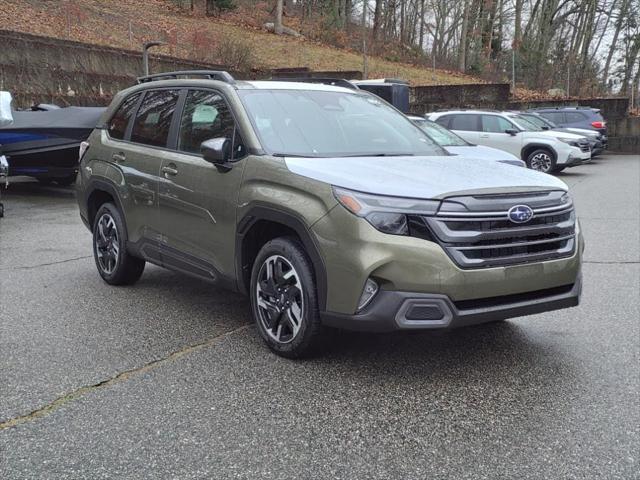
point(520, 214)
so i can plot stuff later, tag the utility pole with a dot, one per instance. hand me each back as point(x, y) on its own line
point(145, 54)
point(365, 66)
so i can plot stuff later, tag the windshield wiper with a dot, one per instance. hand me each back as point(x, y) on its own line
point(293, 155)
point(379, 155)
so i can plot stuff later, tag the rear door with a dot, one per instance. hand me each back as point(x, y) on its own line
point(134, 141)
point(494, 134)
point(467, 125)
point(140, 160)
point(198, 199)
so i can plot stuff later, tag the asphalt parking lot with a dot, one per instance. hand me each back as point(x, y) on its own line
point(168, 379)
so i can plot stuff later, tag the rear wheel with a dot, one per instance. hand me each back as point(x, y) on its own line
point(541, 160)
point(115, 265)
point(283, 298)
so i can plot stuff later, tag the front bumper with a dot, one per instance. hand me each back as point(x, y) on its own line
point(394, 310)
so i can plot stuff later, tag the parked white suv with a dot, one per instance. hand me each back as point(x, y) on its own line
point(545, 151)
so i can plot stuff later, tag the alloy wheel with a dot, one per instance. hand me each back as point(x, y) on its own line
point(107, 243)
point(541, 162)
point(279, 299)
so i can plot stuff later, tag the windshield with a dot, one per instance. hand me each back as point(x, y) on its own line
point(441, 135)
point(539, 121)
point(318, 123)
point(525, 124)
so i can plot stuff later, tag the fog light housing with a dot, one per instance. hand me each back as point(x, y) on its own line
point(368, 292)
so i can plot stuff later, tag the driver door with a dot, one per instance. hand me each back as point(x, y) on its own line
point(197, 199)
point(494, 134)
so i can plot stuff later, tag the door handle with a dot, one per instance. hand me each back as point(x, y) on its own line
point(484, 136)
point(170, 170)
point(119, 157)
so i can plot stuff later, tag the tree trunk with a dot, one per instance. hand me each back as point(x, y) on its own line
point(376, 18)
point(278, 22)
point(462, 54)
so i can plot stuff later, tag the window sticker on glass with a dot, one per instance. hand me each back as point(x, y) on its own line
point(204, 114)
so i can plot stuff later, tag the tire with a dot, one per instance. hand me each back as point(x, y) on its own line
point(283, 296)
point(66, 181)
point(541, 160)
point(115, 265)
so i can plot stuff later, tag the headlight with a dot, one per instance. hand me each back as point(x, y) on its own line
point(387, 214)
point(569, 141)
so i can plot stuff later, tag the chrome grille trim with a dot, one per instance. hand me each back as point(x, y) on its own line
point(499, 215)
point(483, 239)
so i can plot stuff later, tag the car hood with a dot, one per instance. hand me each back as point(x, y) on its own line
point(477, 152)
point(422, 176)
point(579, 131)
point(557, 134)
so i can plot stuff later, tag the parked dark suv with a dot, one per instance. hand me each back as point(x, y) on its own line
point(576, 117)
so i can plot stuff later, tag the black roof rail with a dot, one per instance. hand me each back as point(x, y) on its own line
point(375, 81)
point(220, 75)
point(336, 82)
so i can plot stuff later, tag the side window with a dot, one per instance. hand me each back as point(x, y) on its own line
point(575, 117)
point(465, 122)
point(118, 123)
point(206, 115)
point(495, 124)
point(555, 117)
point(152, 122)
point(443, 120)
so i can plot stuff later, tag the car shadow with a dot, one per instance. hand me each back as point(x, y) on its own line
point(20, 187)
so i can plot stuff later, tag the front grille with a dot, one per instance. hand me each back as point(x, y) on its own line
point(483, 237)
point(584, 146)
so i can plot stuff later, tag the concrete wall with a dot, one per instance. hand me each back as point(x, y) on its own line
point(45, 70)
point(624, 135)
point(431, 98)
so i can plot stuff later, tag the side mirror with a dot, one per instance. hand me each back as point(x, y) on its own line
point(216, 150)
point(511, 131)
point(546, 127)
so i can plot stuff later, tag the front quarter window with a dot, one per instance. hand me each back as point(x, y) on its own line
point(332, 123)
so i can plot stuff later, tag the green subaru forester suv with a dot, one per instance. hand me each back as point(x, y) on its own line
point(324, 204)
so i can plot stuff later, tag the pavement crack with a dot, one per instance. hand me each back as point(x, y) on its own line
point(120, 377)
point(30, 267)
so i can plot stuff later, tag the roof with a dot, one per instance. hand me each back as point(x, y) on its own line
point(284, 85)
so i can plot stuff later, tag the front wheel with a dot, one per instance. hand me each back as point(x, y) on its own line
point(115, 265)
point(541, 160)
point(283, 298)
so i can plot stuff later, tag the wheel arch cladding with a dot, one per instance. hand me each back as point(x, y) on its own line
point(261, 224)
point(98, 193)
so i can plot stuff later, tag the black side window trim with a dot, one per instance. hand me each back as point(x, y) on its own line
point(174, 128)
point(134, 114)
